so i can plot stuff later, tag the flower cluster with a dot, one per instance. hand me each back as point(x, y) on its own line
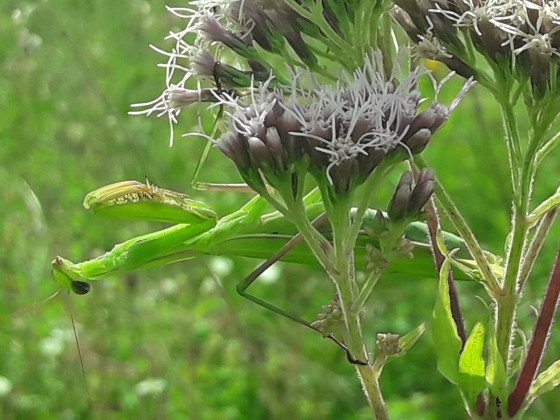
point(331, 320)
point(518, 36)
point(407, 201)
point(233, 43)
point(343, 132)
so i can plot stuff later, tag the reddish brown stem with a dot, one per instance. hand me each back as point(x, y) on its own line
point(538, 341)
point(432, 220)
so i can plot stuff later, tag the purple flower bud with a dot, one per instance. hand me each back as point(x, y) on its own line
point(272, 118)
point(263, 31)
point(217, 33)
point(205, 64)
point(342, 132)
point(286, 124)
point(398, 206)
point(540, 73)
point(441, 116)
point(423, 190)
point(425, 119)
point(342, 176)
point(234, 147)
point(419, 140)
point(184, 97)
point(458, 66)
point(379, 225)
point(405, 21)
point(320, 160)
point(259, 153)
point(274, 144)
point(407, 202)
point(368, 162)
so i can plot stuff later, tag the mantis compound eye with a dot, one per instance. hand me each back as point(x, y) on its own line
point(80, 287)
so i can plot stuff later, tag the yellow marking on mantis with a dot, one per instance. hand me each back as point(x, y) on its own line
point(132, 199)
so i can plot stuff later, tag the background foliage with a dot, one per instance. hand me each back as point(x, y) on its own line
point(177, 342)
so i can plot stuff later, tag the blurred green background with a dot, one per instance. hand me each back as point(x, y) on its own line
point(177, 342)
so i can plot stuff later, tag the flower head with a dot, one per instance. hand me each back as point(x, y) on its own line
point(232, 43)
point(344, 132)
point(519, 36)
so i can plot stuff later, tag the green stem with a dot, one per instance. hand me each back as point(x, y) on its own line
point(345, 282)
point(318, 244)
point(362, 206)
point(315, 15)
point(534, 248)
point(546, 206)
point(366, 290)
point(512, 141)
point(507, 303)
point(548, 147)
point(380, 408)
point(294, 210)
point(447, 204)
point(387, 247)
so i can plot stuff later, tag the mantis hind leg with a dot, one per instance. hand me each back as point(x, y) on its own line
point(243, 286)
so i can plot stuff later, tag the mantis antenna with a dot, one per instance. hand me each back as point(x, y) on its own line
point(241, 187)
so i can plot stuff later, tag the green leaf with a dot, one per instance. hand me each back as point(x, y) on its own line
point(517, 357)
point(496, 370)
point(545, 382)
point(471, 364)
point(446, 339)
point(407, 341)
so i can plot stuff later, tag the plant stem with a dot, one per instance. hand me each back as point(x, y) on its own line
point(512, 140)
point(538, 342)
point(447, 204)
point(548, 147)
point(380, 408)
point(507, 303)
point(318, 244)
point(551, 203)
point(364, 294)
point(537, 242)
point(347, 289)
point(367, 374)
point(369, 187)
point(432, 221)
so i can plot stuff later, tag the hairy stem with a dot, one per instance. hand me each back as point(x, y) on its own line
point(447, 204)
point(537, 242)
point(538, 342)
point(370, 186)
point(432, 221)
point(507, 302)
point(345, 282)
point(364, 294)
point(512, 141)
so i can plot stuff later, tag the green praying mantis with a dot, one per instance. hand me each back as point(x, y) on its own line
point(251, 231)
